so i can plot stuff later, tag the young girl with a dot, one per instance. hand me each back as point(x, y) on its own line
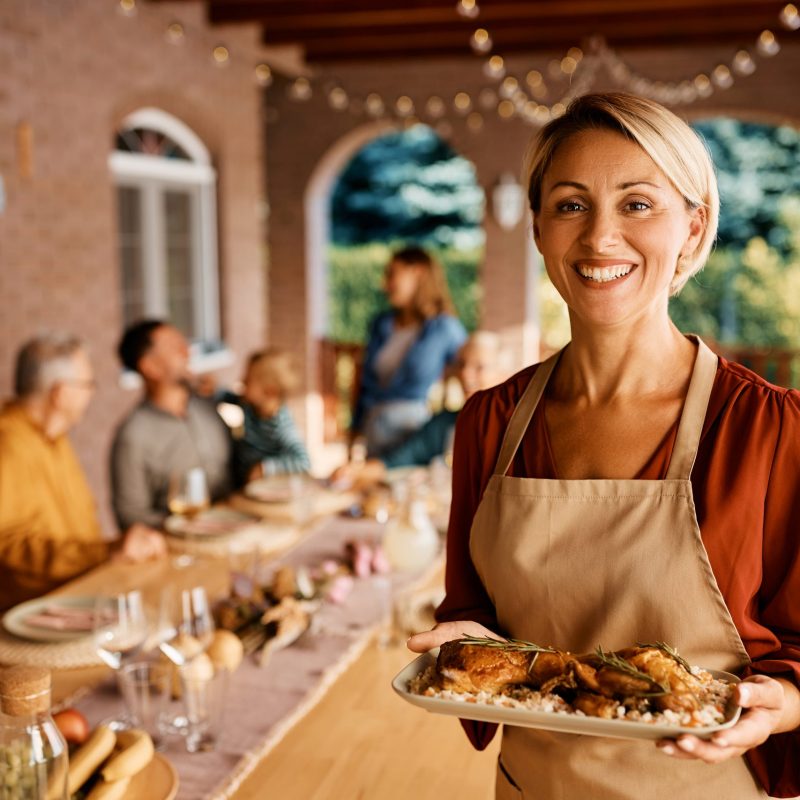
point(271, 443)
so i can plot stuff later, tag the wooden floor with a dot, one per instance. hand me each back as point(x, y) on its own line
point(364, 742)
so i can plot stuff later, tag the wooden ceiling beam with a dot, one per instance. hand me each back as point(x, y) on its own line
point(302, 15)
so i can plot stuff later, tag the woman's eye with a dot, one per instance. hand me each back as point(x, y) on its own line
point(570, 207)
point(638, 205)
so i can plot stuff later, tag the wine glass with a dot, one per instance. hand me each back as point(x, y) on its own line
point(187, 497)
point(185, 632)
point(186, 625)
point(119, 632)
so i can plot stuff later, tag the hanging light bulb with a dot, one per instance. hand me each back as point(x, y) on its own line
point(480, 41)
point(175, 33)
point(475, 122)
point(506, 109)
point(338, 99)
point(743, 63)
point(444, 129)
point(467, 9)
point(435, 107)
point(767, 45)
point(300, 90)
point(508, 87)
point(404, 105)
point(127, 7)
point(703, 85)
point(534, 78)
point(374, 104)
point(575, 53)
point(722, 77)
point(558, 110)
point(789, 16)
point(220, 55)
point(568, 65)
point(495, 67)
point(263, 75)
point(487, 99)
point(462, 102)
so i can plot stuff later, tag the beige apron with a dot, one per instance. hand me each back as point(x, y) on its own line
point(581, 563)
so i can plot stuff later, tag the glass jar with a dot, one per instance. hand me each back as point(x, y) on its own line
point(411, 542)
point(33, 753)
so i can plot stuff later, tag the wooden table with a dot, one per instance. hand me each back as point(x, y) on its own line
point(359, 741)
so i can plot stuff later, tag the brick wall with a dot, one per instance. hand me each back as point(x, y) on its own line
point(72, 69)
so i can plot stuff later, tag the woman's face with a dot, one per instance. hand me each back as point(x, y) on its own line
point(400, 283)
point(611, 228)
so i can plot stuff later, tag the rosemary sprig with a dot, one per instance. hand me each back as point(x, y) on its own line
point(614, 661)
point(670, 651)
point(505, 644)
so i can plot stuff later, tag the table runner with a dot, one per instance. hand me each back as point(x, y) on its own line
point(264, 703)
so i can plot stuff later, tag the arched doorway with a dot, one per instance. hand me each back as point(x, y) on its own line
point(403, 187)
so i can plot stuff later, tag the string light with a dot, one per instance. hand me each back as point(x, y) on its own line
point(404, 105)
point(300, 90)
point(338, 99)
point(495, 67)
point(127, 7)
point(435, 107)
point(789, 17)
point(508, 87)
point(374, 105)
point(175, 33)
point(475, 122)
point(722, 77)
point(462, 102)
point(767, 45)
point(480, 41)
point(263, 75)
point(468, 9)
point(221, 55)
point(568, 65)
point(505, 109)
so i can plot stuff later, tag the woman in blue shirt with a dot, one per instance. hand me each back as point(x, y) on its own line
point(408, 348)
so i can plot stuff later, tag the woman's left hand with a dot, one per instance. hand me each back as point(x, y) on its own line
point(763, 698)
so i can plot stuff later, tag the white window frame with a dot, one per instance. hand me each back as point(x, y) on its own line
point(153, 176)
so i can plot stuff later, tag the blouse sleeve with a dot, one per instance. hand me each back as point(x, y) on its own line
point(777, 761)
point(465, 597)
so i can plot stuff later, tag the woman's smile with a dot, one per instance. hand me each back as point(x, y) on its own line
point(600, 273)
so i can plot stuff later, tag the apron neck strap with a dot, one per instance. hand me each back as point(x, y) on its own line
point(693, 416)
point(690, 426)
point(523, 413)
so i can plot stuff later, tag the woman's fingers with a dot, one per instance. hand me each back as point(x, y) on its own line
point(446, 632)
point(763, 698)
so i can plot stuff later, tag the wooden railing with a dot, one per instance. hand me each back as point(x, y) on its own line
point(339, 378)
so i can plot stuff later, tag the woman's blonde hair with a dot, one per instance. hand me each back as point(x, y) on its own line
point(274, 368)
point(432, 296)
point(675, 148)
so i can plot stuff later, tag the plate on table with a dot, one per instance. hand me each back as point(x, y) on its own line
point(279, 489)
point(559, 721)
point(214, 522)
point(157, 781)
point(52, 619)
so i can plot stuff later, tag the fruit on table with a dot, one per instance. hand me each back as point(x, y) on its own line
point(90, 756)
point(73, 725)
point(226, 650)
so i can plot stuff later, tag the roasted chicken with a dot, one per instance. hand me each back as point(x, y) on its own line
point(596, 683)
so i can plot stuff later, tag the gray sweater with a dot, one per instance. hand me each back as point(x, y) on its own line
point(151, 445)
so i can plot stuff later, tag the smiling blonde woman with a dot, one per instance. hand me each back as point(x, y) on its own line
point(633, 487)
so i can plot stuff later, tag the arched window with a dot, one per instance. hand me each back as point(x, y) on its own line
point(166, 201)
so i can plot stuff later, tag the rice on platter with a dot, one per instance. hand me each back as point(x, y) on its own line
point(646, 683)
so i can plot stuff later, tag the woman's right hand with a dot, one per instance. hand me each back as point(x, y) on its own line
point(446, 632)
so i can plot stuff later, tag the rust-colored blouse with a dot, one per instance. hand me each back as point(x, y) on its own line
point(746, 483)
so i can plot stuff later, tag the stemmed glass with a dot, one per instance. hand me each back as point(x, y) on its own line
point(187, 497)
point(120, 631)
point(185, 632)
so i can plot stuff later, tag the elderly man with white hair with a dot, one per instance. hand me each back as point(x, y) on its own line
point(49, 531)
